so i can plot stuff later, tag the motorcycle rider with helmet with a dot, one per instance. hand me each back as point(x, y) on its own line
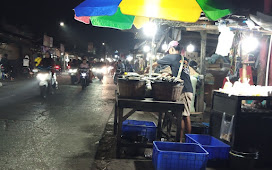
point(48, 62)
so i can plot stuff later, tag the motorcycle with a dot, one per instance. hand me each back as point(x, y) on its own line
point(4, 73)
point(84, 77)
point(58, 69)
point(99, 72)
point(26, 72)
point(73, 75)
point(2, 70)
point(47, 81)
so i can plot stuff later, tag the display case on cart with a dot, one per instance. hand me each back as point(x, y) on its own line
point(251, 135)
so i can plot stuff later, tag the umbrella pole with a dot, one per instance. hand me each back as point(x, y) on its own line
point(268, 62)
point(152, 54)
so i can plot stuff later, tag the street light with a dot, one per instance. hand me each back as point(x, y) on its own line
point(62, 24)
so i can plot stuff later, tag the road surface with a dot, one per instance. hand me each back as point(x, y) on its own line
point(60, 132)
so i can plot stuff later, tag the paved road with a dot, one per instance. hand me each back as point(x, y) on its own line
point(60, 132)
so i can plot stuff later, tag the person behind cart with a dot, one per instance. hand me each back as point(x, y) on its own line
point(129, 67)
point(121, 68)
point(173, 59)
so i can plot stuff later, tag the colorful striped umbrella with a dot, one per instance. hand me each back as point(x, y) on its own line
point(97, 7)
point(105, 13)
point(215, 9)
point(177, 10)
point(117, 21)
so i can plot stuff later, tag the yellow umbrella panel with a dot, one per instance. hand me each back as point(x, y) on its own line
point(177, 10)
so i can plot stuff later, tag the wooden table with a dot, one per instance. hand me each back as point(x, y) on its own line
point(149, 105)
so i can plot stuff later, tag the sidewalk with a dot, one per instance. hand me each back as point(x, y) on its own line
point(105, 158)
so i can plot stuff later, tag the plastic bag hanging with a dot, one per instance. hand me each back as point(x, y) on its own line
point(226, 128)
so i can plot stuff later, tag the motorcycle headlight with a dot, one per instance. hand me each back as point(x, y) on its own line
point(42, 76)
point(35, 70)
point(104, 70)
point(83, 74)
point(94, 69)
point(72, 70)
point(110, 68)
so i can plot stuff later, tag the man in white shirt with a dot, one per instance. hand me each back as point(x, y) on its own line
point(26, 61)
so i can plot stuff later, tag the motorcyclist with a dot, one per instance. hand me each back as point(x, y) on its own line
point(48, 62)
point(84, 65)
point(5, 63)
point(26, 64)
point(75, 63)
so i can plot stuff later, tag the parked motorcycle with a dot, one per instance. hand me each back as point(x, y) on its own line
point(73, 75)
point(84, 77)
point(47, 81)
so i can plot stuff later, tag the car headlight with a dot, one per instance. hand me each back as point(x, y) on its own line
point(43, 76)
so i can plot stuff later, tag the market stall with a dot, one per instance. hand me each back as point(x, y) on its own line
point(235, 56)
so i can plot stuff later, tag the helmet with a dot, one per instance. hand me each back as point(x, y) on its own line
point(26, 57)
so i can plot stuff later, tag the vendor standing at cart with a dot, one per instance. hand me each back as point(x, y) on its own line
point(173, 59)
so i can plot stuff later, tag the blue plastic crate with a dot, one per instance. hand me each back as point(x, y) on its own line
point(179, 156)
point(216, 148)
point(139, 128)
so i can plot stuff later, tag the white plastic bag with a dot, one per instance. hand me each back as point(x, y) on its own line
point(226, 128)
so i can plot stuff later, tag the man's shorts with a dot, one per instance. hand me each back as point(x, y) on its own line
point(186, 98)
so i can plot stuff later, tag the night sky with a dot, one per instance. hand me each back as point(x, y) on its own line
point(44, 16)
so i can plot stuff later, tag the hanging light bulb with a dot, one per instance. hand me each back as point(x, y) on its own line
point(150, 29)
point(250, 44)
point(164, 47)
point(146, 48)
point(190, 48)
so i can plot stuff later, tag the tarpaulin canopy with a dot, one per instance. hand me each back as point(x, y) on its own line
point(215, 9)
point(97, 7)
point(178, 10)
